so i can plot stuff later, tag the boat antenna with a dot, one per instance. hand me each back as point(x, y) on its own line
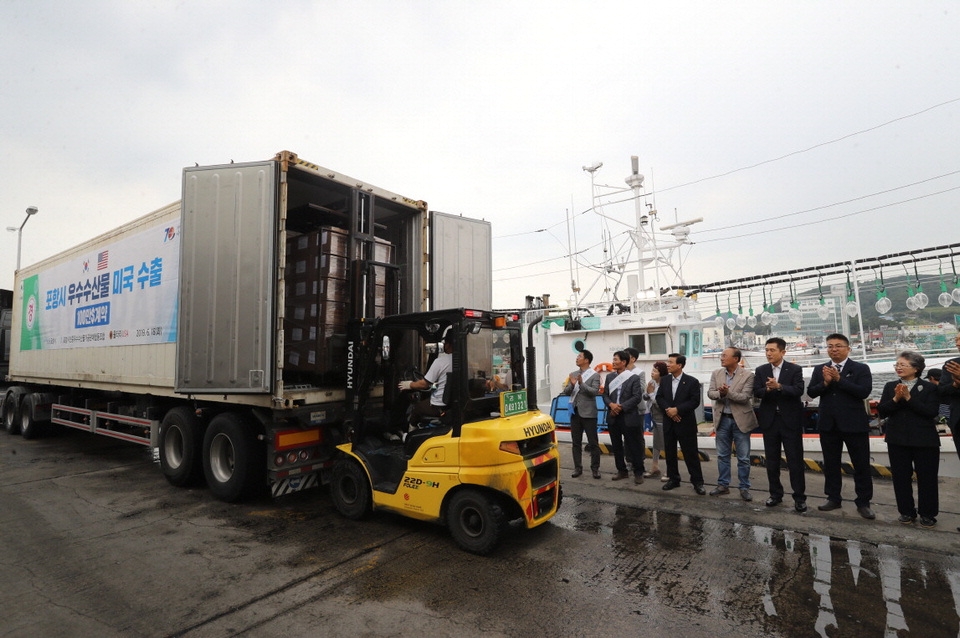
point(653, 233)
point(635, 181)
point(571, 248)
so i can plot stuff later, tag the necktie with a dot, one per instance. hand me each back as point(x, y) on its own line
point(838, 367)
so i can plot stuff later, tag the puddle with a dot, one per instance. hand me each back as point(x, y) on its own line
point(770, 581)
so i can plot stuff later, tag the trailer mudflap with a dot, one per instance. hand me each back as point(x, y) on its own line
point(293, 484)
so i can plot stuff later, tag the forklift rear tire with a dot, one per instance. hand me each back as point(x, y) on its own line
point(476, 521)
point(350, 490)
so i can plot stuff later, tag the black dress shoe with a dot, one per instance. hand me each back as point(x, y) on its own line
point(699, 489)
point(867, 513)
point(829, 506)
point(800, 506)
point(596, 474)
point(577, 472)
point(670, 485)
point(773, 501)
point(619, 476)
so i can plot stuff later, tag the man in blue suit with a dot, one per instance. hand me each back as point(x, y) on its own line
point(842, 385)
point(779, 386)
point(679, 397)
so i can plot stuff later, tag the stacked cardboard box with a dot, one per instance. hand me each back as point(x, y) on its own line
point(318, 294)
point(317, 297)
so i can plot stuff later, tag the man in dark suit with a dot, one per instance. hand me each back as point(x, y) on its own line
point(843, 385)
point(679, 397)
point(779, 386)
point(633, 411)
point(949, 390)
point(611, 399)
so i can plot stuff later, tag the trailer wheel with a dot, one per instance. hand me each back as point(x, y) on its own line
point(10, 421)
point(350, 490)
point(476, 521)
point(234, 462)
point(181, 447)
point(29, 425)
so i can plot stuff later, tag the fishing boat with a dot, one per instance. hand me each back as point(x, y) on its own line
point(645, 303)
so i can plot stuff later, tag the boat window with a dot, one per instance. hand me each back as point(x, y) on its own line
point(639, 342)
point(683, 343)
point(658, 343)
point(697, 339)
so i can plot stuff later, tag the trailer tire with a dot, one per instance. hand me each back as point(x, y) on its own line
point(350, 490)
point(10, 421)
point(234, 462)
point(476, 521)
point(27, 413)
point(181, 447)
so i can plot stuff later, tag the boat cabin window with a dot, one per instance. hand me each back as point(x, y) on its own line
point(683, 343)
point(697, 343)
point(639, 342)
point(658, 343)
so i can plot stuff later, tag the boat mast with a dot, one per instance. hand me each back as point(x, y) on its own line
point(635, 182)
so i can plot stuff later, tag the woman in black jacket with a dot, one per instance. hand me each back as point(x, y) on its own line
point(910, 406)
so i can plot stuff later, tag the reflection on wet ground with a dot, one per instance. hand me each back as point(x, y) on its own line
point(773, 582)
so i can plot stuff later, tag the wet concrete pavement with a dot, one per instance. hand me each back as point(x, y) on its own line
point(94, 542)
point(844, 523)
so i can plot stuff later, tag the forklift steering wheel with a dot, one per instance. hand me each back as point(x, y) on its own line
point(411, 373)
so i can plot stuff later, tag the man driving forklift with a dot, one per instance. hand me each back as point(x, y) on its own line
point(435, 380)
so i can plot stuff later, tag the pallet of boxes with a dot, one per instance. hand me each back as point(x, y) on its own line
point(323, 284)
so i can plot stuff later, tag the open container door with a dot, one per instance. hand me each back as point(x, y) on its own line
point(227, 278)
point(461, 264)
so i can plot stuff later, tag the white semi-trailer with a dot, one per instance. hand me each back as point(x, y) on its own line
point(265, 331)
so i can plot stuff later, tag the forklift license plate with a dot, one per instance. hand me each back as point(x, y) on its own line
point(513, 403)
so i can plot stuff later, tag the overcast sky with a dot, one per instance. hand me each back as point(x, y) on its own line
point(491, 109)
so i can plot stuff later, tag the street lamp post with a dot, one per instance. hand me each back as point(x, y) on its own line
point(31, 210)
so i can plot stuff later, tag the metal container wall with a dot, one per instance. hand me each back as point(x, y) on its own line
point(134, 368)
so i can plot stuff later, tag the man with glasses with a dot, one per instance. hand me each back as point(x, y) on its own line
point(842, 385)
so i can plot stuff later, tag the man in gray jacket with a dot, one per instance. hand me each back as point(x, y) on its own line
point(731, 388)
point(582, 387)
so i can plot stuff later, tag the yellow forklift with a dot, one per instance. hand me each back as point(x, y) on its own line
point(483, 459)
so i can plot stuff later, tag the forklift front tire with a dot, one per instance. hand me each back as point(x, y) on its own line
point(350, 490)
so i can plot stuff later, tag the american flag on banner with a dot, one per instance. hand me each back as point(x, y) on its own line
point(102, 259)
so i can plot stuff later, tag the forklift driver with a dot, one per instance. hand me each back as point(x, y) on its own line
point(435, 379)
